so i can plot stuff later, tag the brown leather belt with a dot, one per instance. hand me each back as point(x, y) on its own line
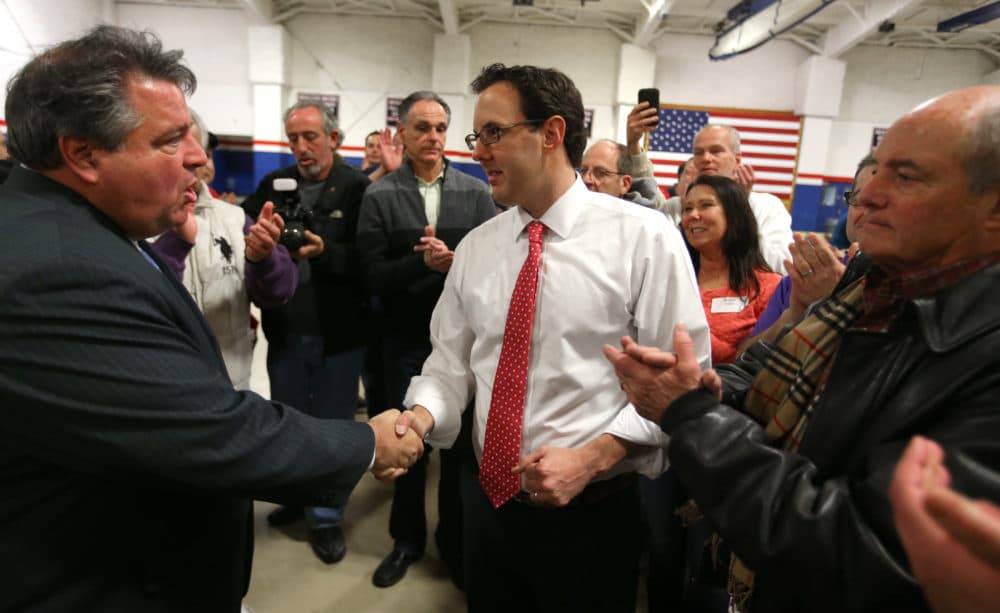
point(595, 492)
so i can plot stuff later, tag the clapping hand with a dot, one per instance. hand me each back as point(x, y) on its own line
point(652, 378)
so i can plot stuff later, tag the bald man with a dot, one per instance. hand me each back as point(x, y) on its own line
point(790, 451)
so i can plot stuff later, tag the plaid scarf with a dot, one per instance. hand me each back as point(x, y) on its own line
point(785, 391)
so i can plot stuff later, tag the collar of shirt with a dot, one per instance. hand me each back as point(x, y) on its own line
point(438, 179)
point(883, 294)
point(561, 216)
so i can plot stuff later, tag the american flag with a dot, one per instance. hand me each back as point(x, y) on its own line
point(769, 141)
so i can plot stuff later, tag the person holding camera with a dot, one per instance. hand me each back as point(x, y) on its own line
point(225, 260)
point(316, 342)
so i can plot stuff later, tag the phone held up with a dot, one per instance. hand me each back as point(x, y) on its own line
point(650, 95)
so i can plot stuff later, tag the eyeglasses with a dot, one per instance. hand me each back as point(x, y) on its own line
point(491, 134)
point(851, 197)
point(598, 173)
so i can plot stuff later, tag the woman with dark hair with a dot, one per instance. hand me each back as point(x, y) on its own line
point(734, 278)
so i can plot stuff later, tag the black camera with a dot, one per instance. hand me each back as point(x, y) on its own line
point(297, 218)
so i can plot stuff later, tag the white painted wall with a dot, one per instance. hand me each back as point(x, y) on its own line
point(215, 47)
point(365, 59)
point(884, 82)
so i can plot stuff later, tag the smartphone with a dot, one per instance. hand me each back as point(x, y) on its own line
point(650, 95)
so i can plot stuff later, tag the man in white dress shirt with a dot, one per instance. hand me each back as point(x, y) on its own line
point(567, 537)
point(716, 151)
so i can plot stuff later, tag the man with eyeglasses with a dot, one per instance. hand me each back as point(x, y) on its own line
point(607, 167)
point(410, 222)
point(550, 499)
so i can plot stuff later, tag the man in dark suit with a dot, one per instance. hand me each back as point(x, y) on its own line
point(127, 459)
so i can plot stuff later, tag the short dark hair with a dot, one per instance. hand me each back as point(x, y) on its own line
point(79, 88)
point(544, 92)
point(415, 97)
point(741, 242)
point(371, 134)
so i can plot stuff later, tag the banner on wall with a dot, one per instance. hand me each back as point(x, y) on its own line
point(588, 121)
point(392, 111)
point(769, 141)
point(330, 100)
point(877, 135)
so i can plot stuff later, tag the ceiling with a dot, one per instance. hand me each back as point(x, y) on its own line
point(831, 32)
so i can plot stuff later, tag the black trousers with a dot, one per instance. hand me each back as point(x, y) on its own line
point(523, 558)
point(404, 359)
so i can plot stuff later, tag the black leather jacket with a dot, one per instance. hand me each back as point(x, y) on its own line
point(817, 526)
point(340, 298)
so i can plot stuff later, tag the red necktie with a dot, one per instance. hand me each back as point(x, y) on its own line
point(502, 444)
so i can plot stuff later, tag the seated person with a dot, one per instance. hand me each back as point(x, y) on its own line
point(814, 269)
point(734, 279)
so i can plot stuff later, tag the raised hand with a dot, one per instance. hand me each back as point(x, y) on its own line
point(744, 175)
point(263, 236)
point(641, 119)
point(392, 154)
point(394, 453)
point(815, 269)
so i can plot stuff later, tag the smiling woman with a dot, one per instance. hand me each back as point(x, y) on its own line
point(734, 279)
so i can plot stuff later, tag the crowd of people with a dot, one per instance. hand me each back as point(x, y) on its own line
point(606, 372)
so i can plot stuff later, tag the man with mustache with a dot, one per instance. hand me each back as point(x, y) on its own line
point(316, 342)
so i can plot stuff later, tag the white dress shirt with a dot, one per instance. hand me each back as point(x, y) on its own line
point(774, 226)
point(609, 268)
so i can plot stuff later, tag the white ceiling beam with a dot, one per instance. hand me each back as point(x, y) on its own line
point(449, 16)
point(858, 26)
point(645, 26)
point(263, 8)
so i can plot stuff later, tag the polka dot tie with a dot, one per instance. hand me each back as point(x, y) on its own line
point(502, 444)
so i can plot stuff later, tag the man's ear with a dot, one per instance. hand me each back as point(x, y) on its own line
point(81, 158)
point(553, 132)
point(334, 139)
point(626, 184)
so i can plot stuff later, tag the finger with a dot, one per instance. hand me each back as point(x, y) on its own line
point(403, 422)
point(528, 460)
point(266, 211)
point(711, 381)
point(683, 345)
point(853, 251)
point(428, 230)
point(966, 522)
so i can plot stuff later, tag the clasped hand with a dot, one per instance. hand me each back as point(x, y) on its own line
point(396, 448)
point(653, 378)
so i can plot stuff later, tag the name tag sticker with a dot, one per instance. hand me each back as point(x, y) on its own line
point(728, 305)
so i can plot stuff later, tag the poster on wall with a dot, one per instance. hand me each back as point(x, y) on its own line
point(877, 135)
point(588, 121)
point(392, 111)
point(330, 100)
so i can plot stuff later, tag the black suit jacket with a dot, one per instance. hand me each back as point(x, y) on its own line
point(127, 459)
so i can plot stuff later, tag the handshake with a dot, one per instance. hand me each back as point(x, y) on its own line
point(398, 444)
